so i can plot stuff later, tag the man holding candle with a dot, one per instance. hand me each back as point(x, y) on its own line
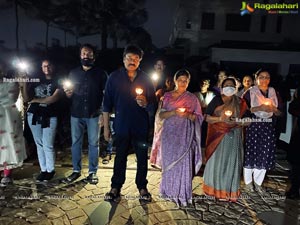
point(130, 92)
point(85, 88)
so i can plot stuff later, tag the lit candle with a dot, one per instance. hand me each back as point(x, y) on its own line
point(228, 113)
point(267, 102)
point(154, 77)
point(181, 109)
point(139, 91)
point(67, 84)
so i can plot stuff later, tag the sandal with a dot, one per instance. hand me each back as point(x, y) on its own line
point(5, 181)
point(145, 195)
point(113, 195)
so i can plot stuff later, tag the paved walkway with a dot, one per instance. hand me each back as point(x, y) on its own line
point(28, 202)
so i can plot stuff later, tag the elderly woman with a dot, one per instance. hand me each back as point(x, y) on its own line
point(180, 141)
point(224, 144)
point(265, 106)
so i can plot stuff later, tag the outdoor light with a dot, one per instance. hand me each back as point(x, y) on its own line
point(181, 109)
point(67, 84)
point(154, 77)
point(139, 91)
point(228, 113)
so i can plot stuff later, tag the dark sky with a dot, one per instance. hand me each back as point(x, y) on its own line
point(159, 25)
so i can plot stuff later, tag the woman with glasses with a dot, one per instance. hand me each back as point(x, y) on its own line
point(260, 141)
point(224, 143)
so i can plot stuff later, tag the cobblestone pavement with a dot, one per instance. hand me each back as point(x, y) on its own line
point(28, 202)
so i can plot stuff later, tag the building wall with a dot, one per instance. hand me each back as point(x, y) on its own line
point(198, 40)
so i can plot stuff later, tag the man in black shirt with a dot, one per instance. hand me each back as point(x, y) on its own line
point(85, 88)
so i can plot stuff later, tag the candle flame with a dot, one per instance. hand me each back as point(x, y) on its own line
point(139, 91)
point(228, 112)
point(67, 84)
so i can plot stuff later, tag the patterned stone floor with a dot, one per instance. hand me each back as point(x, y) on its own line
point(28, 202)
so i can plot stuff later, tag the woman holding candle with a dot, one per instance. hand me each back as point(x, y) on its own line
point(180, 141)
point(265, 106)
point(42, 117)
point(224, 143)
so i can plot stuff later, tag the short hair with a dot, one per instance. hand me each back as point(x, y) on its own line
point(182, 72)
point(48, 60)
point(89, 46)
point(134, 49)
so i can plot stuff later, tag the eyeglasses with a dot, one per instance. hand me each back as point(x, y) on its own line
point(135, 60)
point(264, 77)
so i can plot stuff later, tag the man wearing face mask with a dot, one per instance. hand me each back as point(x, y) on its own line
point(85, 88)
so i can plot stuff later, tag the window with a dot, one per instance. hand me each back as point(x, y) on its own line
point(208, 21)
point(236, 22)
point(279, 24)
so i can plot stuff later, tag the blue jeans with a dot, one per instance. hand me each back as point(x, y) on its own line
point(77, 130)
point(44, 140)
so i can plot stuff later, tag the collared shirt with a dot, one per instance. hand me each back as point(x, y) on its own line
point(88, 91)
point(120, 95)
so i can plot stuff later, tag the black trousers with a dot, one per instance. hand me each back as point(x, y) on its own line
point(123, 143)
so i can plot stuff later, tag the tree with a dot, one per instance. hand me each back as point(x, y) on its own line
point(15, 4)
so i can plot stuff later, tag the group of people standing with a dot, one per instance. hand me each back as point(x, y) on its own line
point(240, 127)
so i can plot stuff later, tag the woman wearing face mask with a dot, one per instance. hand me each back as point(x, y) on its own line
point(224, 143)
point(265, 106)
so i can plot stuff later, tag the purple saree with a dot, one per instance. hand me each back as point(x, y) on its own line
point(180, 148)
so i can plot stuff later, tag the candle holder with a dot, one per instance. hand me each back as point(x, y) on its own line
point(228, 113)
point(139, 91)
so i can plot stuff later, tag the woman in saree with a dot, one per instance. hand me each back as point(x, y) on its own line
point(180, 141)
point(224, 144)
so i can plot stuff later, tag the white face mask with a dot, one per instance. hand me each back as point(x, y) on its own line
point(229, 91)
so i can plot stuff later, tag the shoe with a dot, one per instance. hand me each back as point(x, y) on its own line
point(49, 176)
point(71, 178)
point(249, 188)
point(259, 189)
point(145, 195)
point(41, 176)
point(91, 178)
point(113, 195)
point(5, 181)
point(293, 193)
point(106, 159)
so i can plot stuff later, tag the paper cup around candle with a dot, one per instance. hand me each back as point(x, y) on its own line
point(181, 109)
